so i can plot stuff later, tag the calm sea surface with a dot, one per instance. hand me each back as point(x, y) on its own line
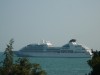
point(61, 66)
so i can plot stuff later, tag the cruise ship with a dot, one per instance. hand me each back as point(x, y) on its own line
point(46, 49)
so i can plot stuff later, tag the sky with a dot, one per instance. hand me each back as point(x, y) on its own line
point(57, 21)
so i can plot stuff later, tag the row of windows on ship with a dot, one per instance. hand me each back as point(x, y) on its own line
point(52, 50)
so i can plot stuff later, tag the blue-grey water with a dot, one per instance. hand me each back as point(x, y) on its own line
point(61, 66)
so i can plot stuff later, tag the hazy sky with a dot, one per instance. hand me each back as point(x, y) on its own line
point(58, 21)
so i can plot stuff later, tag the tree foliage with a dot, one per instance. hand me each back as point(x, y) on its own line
point(94, 63)
point(22, 66)
point(8, 61)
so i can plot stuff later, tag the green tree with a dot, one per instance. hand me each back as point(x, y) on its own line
point(6, 69)
point(94, 63)
point(8, 61)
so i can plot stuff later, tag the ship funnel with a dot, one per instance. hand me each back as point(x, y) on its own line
point(72, 40)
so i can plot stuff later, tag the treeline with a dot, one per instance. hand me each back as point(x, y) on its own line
point(94, 63)
point(22, 66)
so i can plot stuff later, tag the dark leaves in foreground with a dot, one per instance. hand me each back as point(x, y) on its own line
point(94, 63)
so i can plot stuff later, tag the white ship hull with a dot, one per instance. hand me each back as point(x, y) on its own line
point(72, 49)
point(56, 55)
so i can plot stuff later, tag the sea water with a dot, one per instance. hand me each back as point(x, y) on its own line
point(60, 66)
